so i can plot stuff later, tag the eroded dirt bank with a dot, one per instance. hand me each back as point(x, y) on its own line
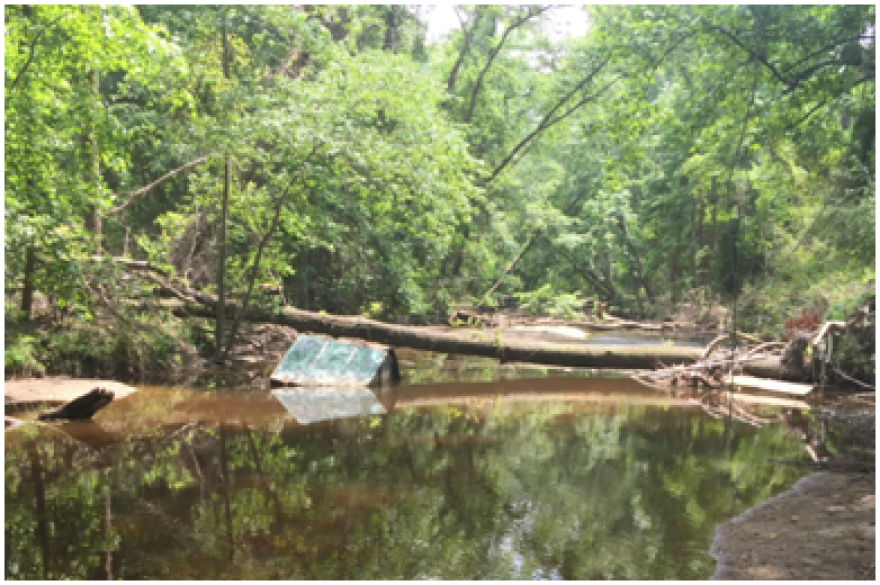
point(822, 529)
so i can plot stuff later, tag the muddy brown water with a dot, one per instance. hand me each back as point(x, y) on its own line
point(467, 470)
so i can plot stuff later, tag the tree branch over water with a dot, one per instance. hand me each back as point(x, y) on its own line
point(549, 120)
point(546, 122)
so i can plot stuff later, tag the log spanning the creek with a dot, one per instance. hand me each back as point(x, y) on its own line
point(484, 343)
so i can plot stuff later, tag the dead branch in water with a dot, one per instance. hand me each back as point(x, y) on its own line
point(726, 336)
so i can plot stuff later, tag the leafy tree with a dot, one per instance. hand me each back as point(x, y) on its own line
point(66, 137)
point(669, 150)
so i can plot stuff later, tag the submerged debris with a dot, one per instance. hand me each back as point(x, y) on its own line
point(839, 436)
point(81, 408)
point(719, 361)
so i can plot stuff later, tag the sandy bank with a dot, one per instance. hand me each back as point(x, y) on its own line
point(58, 389)
point(821, 529)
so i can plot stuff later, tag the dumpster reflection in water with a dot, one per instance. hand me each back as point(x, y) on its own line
point(308, 405)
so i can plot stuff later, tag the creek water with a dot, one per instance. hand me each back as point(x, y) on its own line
point(466, 470)
point(640, 338)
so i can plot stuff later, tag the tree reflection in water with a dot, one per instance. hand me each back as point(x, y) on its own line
point(220, 486)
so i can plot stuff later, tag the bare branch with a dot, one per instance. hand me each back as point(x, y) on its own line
point(543, 124)
point(468, 38)
point(549, 120)
point(135, 195)
point(530, 13)
point(825, 49)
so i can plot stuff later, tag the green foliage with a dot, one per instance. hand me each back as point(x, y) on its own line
point(62, 124)
point(21, 345)
point(20, 357)
point(545, 301)
point(80, 351)
point(721, 148)
point(374, 310)
point(843, 308)
point(143, 347)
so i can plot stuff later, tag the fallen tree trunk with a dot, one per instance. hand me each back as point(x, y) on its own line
point(485, 343)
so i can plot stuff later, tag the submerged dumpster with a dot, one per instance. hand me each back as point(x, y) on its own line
point(321, 361)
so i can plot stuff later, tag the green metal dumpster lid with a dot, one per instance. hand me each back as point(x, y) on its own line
point(319, 361)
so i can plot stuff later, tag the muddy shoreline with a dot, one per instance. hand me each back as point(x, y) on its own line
point(821, 529)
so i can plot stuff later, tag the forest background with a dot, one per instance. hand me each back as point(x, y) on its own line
point(667, 159)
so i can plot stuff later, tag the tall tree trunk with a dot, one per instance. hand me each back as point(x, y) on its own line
point(700, 211)
point(258, 257)
point(714, 244)
point(94, 162)
point(637, 262)
point(92, 165)
point(30, 257)
point(220, 325)
point(693, 239)
point(468, 34)
point(27, 293)
point(391, 29)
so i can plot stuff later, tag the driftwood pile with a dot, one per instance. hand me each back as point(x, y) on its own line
point(709, 381)
point(722, 358)
point(849, 424)
point(808, 354)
